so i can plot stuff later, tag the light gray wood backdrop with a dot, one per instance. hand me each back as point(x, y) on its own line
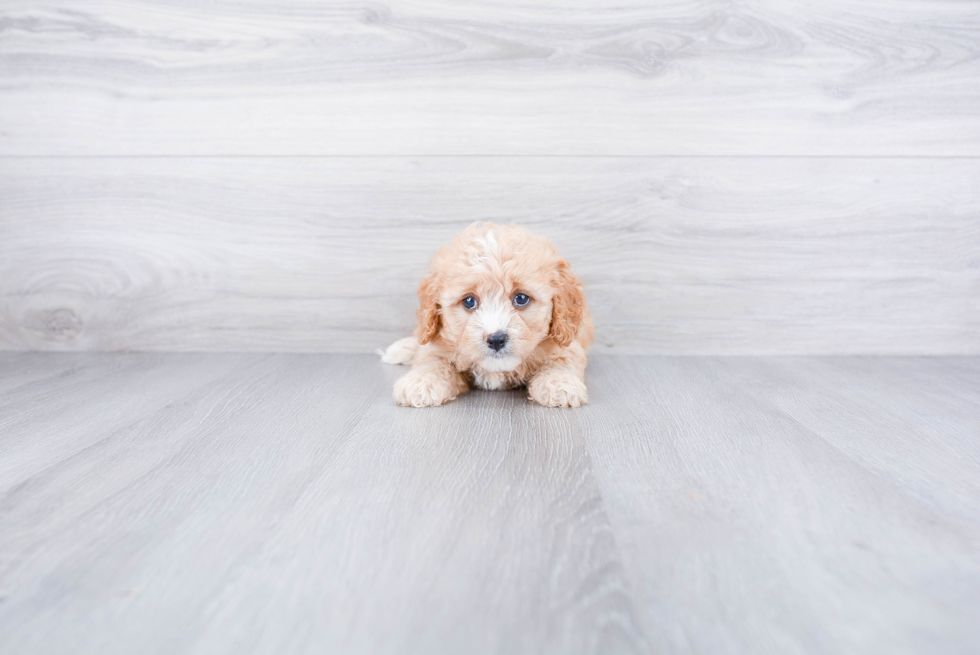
point(748, 177)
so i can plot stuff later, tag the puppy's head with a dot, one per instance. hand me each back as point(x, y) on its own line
point(495, 294)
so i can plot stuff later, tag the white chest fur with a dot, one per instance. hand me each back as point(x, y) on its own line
point(496, 379)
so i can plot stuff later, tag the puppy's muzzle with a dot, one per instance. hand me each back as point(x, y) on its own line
point(497, 340)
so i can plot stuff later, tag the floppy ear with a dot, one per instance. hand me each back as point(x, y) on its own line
point(567, 306)
point(427, 316)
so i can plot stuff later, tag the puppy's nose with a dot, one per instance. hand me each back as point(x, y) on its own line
point(497, 340)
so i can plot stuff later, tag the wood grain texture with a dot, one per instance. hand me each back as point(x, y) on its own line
point(699, 256)
point(794, 505)
point(284, 504)
point(527, 77)
point(235, 503)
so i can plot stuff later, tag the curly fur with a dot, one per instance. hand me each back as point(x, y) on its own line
point(568, 306)
point(548, 340)
point(427, 315)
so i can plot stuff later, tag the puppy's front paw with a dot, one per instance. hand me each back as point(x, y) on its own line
point(424, 390)
point(558, 390)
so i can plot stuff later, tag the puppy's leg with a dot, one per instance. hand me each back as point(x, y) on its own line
point(400, 352)
point(561, 381)
point(432, 381)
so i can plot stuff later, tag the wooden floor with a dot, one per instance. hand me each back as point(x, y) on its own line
point(225, 503)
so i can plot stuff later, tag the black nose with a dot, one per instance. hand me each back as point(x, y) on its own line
point(497, 340)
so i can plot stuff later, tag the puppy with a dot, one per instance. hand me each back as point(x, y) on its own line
point(499, 309)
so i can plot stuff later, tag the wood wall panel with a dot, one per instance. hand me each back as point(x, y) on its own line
point(534, 77)
point(681, 255)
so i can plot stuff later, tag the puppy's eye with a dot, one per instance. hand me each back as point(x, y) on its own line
point(521, 300)
point(470, 303)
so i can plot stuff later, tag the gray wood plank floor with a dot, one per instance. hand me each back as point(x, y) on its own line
point(239, 503)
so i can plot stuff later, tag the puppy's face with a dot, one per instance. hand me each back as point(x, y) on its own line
point(494, 322)
point(495, 294)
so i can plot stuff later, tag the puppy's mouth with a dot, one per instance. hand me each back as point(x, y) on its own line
point(499, 361)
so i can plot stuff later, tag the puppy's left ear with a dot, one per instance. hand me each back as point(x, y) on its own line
point(427, 317)
point(568, 305)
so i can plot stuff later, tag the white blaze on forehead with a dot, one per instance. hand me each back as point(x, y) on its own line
point(489, 251)
point(488, 244)
point(494, 315)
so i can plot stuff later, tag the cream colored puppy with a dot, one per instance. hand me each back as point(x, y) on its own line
point(499, 309)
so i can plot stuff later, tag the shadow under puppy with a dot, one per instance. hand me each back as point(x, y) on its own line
point(499, 309)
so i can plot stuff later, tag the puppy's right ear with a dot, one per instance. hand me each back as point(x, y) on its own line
point(568, 305)
point(427, 316)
